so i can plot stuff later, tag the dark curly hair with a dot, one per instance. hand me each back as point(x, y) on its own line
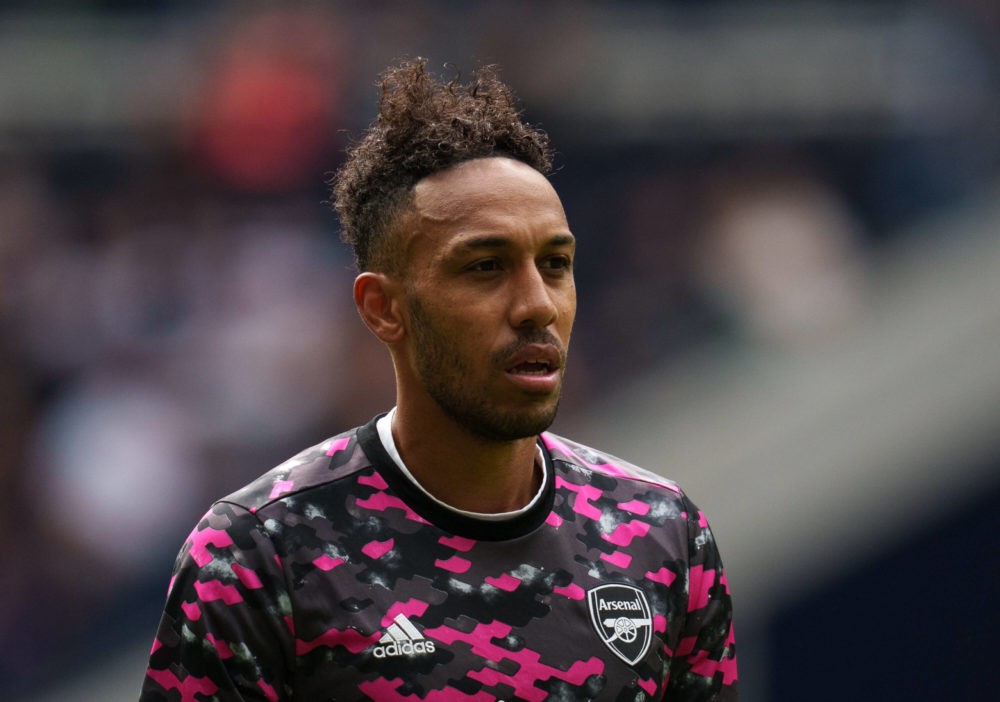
point(424, 125)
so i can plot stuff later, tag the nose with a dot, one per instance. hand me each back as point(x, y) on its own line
point(533, 304)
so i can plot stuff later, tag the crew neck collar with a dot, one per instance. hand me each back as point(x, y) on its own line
point(487, 527)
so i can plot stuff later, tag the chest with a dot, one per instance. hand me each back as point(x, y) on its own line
point(395, 609)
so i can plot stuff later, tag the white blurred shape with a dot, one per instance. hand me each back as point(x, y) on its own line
point(116, 459)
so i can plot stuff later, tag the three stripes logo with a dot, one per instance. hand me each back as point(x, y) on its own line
point(401, 638)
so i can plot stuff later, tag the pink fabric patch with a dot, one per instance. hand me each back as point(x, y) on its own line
point(663, 575)
point(648, 685)
point(411, 608)
point(188, 687)
point(191, 610)
point(349, 638)
point(705, 666)
point(700, 583)
point(269, 692)
point(554, 520)
point(506, 582)
point(374, 480)
point(377, 549)
point(571, 591)
point(455, 564)
point(250, 579)
point(216, 590)
point(635, 507)
point(326, 562)
point(624, 533)
point(618, 558)
point(280, 488)
point(659, 623)
point(459, 543)
point(201, 540)
point(482, 634)
point(585, 493)
point(221, 647)
point(686, 645)
point(338, 445)
point(381, 501)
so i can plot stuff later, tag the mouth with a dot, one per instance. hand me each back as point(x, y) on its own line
point(535, 368)
point(534, 359)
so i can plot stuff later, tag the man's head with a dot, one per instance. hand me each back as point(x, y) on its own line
point(424, 126)
point(466, 257)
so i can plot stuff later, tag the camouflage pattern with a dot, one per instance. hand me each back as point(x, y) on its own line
point(333, 577)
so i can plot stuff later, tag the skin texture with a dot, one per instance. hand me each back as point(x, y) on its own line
point(486, 292)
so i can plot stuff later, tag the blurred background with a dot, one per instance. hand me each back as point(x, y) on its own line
point(789, 283)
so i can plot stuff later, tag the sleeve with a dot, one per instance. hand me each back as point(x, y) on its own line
point(226, 629)
point(704, 664)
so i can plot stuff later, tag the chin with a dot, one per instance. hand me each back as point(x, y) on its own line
point(508, 426)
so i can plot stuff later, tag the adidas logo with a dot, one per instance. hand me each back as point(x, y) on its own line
point(401, 638)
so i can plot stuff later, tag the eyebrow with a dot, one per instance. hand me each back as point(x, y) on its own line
point(496, 242)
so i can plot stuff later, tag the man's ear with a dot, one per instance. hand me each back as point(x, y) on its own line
point(376, 296)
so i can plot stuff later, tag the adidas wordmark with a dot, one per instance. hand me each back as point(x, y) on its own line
point(402, 639)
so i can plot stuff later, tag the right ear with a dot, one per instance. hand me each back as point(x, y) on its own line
point(376, 297)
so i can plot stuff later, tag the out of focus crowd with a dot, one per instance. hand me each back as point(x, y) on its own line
point(175, 309)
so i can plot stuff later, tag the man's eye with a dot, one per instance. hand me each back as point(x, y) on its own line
point(485, 266)
point(558, 263)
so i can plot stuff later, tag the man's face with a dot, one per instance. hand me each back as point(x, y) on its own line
point(490, 296)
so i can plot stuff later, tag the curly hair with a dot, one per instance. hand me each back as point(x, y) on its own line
point(424, 125)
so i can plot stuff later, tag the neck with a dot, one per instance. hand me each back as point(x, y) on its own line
point(464, 470)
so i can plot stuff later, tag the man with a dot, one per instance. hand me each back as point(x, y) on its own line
point(451, 549)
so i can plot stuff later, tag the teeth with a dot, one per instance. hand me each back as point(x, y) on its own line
point(527, 368)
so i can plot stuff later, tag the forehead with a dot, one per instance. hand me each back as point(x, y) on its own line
point(494, 178)
point(489, 195)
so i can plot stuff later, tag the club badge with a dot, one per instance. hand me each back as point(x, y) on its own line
point(621, 616)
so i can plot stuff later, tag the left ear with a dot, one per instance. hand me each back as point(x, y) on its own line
point(378, 305)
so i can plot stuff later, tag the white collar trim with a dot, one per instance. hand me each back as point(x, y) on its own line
point(384, 426)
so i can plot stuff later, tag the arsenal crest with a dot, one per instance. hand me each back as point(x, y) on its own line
point(621, 616)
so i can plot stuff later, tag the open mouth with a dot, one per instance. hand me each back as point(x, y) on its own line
point(535, 367)
point(532, 367)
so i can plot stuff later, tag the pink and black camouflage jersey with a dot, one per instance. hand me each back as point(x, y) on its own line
point(334, 577)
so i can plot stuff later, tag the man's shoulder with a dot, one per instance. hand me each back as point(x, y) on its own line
point(331, 460)
point(586, 458)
